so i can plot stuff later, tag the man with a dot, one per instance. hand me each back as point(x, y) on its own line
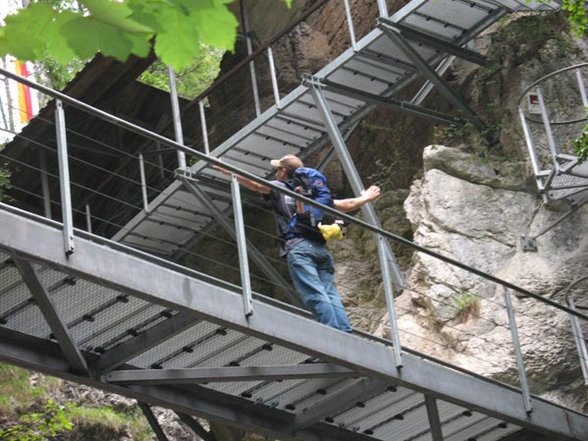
point(310, 264)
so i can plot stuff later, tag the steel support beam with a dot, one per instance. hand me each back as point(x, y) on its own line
point(340, 401)
point(45, 357)
point(429, 73)
point(433, 416)
point(152, 420)
point(177, 117)
point(231, 373)
point(145, 341)
point(154, 283)
point(387, 102)
point(58, 327)
point(434, 42)
point(196, 427)
point(241, 240)
point(424, 91)
point(64, 180)
point(254, 253)
point(390, 271)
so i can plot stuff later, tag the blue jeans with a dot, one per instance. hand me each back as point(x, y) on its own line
point(312, 270)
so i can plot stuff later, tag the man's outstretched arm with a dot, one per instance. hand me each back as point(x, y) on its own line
point(245, 182)
point(352, 204)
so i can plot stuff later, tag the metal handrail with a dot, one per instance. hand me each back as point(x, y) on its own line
point(233, 169)
point(539, 81)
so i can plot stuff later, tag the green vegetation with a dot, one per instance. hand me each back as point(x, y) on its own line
point(190, 80)
point(55, 74)
point(577, 15)
point(177, 30)
point(467, 305)
point(27, 415)
point(38, 426)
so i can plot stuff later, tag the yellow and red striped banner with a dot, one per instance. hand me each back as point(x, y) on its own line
point(24, 94)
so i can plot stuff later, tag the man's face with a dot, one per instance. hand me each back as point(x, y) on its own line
point(282, 174)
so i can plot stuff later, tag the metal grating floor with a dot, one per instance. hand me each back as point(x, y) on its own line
point(104, 312)
point(96, 315)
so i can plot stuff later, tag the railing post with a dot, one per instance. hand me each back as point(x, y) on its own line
point(160, 160)
point(245, 24)
point(64, 182)
point(45, 184)
point(143, 183)
point(383, 8)
point(518, 353)
point(582, 88)
point(580, 342)
point(173, 93)
point(270, 57)
point(547, 125)
point(88, 219)
point(241, 246)
point(529, 141)
point(577, 328)
point(204, 127)
point(349, 18)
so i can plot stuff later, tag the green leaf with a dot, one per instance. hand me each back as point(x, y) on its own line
point(141, 44)
point(148, 12)
point(178, 44)
point(24, 33)
point(98, 36)
point(114, 13)
point(218, 27)
point(56, 41)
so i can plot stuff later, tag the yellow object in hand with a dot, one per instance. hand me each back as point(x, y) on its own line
point(331, 231)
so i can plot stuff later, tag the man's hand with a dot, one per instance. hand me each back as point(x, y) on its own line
point(373, 192)
point(218, 168)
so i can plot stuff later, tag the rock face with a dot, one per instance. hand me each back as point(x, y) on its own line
point(479, 224)
point(472, 204)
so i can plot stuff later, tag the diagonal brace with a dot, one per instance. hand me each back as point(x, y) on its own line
point(433, 417)
point(254, 253)
point(340, 401)
point(47, 307)
point(152, 420)
point(228, 373)
point(429, 73)
point(196, 427)
point(145, 341)
point(434, 42)
point(386, 102)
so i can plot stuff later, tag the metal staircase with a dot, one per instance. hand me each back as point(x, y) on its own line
point(552, 111)
point(120, 315)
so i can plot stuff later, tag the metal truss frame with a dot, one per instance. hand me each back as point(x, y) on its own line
point(229, 373)
point(40, 243)
point(58, 327)
point(255, 254)
point(398, 36)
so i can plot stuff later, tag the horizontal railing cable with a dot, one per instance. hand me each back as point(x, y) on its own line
point(213, 161)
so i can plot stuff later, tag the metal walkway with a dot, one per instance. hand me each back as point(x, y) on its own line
point(180, 341)
point(420, 39)
point(107, 315)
